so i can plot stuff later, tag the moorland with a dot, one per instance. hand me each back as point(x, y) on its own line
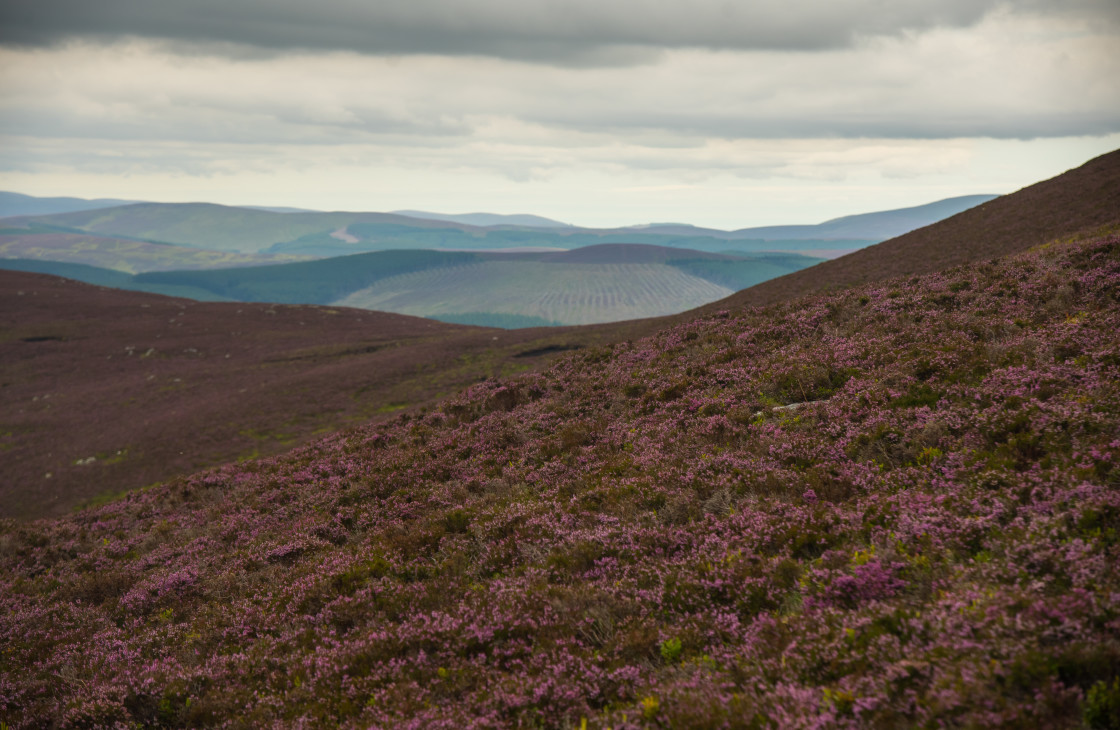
point(888, 495)
point(168, 386)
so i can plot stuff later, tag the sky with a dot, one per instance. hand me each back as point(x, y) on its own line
point(593, 112)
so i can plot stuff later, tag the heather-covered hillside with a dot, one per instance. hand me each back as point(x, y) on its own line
point(1079, 201)
point(896, 506)
point(103, 391)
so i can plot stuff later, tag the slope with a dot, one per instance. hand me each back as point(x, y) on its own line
point(486, 219)
point(878, 226)
point(217, 227)
point(873, 227)
point(896, 506)
point(309, 282)
point(385, 236)
point(14, 204)
point(594, 284)
point(104, 390)
point(559, 292)
point(125, 255)
point(105, 277)
point(1080, 200)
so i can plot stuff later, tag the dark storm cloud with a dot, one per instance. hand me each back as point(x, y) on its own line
point(592, 32)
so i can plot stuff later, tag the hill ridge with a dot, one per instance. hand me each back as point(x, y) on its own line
point(1079, 200)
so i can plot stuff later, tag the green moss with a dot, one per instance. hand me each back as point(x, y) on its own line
point(917, 397)
point(357, 576)
point(671, 650)
point(1102, 706)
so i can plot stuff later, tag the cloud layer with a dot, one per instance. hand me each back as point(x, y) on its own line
point(1008, 77)
point(637, 99)
point(576, 31)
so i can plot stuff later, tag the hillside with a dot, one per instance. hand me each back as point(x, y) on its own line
point(103, 391)
point(215, 227)
point(1080, 200)
point(486, 219)
point(605, 283)
point(309, 282)
point(863, 227)
point(385, 236)
point(13, 204)
point(880, 225)
point(563, 293)
point(894, 506)
point(106, 277)
point(129, 256)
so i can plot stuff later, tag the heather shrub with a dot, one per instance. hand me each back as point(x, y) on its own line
point(646, 535)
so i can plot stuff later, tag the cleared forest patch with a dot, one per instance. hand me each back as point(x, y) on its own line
point(560, 292)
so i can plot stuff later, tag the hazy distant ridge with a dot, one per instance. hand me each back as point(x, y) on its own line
point(322, 234)
point(19, 204)
point(486, 219)
point(879, 226)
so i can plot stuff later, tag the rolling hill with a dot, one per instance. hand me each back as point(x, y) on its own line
point(583, 286)
point(320, 235)
point(106, 277)
point(877, 226)
point(560, 293)
point(880, 225)
point(894, 506)
point(384, 236)
point(310, 282)
point(1079, 201)
point(104, 390)
point(17, 204)
point(215, 227)
point(486, 219)
point(125, 255)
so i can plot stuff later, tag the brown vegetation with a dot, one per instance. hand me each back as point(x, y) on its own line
point(103, 391)
point(108, 391)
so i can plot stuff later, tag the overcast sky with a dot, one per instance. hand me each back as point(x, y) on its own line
point(595, 112)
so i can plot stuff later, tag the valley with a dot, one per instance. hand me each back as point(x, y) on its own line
point(513, 271)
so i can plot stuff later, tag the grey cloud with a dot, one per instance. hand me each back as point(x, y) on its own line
point(845, 124)
point(228, 126)
point(576, 32)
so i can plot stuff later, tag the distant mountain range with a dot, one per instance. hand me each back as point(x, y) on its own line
point(121, 254)
point(320, 235)
point(877, 226)
point(477, 268)
point(880, 225)
point(13, 204)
